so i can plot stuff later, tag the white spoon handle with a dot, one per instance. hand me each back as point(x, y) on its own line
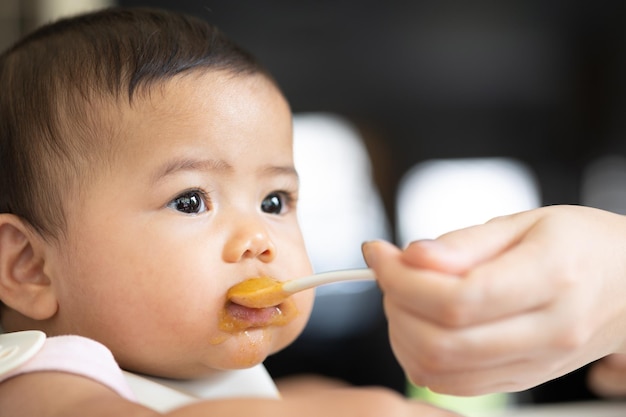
point(304, 283)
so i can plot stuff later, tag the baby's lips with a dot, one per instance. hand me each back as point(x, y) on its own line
point(240, 313)
point(255, 317)
point(237, 318)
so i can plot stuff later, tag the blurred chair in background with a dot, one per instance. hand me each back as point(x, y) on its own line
point(339, 203)
point(440, 195)
point(339, 208)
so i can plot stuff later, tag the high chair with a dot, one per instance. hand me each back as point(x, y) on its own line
point(339, 208)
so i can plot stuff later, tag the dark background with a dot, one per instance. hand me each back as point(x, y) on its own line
point(537, 80)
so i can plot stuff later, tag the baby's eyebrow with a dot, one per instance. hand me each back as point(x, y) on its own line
point(192, 164)
point(281, 170)
point(189, 164)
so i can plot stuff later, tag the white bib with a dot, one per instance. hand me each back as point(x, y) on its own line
point(166, 394)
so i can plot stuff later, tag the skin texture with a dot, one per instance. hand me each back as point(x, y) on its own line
point(510, 304)
point(129, 255)
point(172, 279)
point(149, 281)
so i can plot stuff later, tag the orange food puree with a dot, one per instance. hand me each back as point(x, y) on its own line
point(236, 318)
point(257, 292)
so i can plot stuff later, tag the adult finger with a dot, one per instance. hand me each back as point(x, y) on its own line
point(457, 251)
point(429, 349)
point(517, 281)
point(421, 292)
point(461, 375)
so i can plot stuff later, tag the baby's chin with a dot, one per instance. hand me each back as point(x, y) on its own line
point(241, 351)
point(229, 351)
point(255, 345)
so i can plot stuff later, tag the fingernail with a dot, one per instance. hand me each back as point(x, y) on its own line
point(368, 252)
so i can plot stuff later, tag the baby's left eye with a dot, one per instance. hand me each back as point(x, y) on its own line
point(274, 203)
point(190, 202)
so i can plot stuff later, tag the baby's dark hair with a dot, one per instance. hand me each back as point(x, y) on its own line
point(52, 81)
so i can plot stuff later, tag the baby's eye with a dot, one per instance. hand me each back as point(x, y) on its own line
point(190, 202)
point(274, 203)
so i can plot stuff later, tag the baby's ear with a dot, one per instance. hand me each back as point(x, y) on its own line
point(24, 286)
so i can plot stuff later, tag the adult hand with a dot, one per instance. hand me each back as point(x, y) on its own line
point(506, 305)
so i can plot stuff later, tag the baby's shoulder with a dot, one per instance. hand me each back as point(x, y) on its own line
point(31, 351)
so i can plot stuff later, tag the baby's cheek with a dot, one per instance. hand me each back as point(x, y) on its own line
point(303, 303)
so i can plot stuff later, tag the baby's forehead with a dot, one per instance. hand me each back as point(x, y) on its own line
point(188, 106)
point(157, 95)
point(103, 115)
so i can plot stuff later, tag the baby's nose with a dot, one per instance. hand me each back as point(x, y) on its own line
point(248, 245)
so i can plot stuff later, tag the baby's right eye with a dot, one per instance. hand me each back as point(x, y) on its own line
point(189, 202)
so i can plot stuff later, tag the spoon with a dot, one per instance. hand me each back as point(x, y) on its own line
point(267, 292)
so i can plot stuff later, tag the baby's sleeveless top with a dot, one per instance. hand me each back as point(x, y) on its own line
point(31, 351)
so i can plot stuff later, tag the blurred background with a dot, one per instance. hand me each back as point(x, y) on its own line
point(533, 87)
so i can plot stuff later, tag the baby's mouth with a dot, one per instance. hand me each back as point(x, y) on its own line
point(236, 318)
point(251, 317)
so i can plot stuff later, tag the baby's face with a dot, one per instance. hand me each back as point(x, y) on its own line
point(197, 197)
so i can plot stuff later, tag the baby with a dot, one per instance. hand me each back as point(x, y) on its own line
point(145, 168)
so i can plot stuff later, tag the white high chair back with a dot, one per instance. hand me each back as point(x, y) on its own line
point(438, 196)
point(339, 208)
